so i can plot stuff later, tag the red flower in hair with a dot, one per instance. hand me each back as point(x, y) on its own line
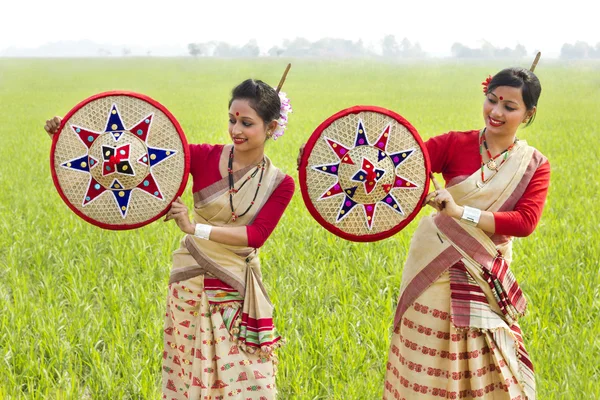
point(486, 83)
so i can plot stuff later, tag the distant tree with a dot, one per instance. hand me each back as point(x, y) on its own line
point(567, 51)
point(583, 49)
point(489, 51)
point(521, 51)
point(299, 47)
point(461, 51)
point(208, 48)
point(275, 51)
point(250, 49)
point(457, 50)
point(195, 49)
point(390, 47)
point(579, 50)
point(408, 50)
point(126, 51)
point(223, 49)
point(405, 45)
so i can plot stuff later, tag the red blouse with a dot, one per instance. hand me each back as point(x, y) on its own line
point(457, 154)
point(204, 167)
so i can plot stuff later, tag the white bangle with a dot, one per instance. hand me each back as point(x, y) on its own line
point(471, 215)
point(202, 231)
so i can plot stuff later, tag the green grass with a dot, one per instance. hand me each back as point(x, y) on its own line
point(81, 309)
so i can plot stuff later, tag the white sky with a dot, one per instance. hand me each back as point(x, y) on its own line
point(435, 24)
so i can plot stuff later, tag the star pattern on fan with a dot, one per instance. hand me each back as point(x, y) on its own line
point(366, 174)
point(116, 160)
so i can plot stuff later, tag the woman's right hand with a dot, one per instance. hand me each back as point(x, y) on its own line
point(52, 126)
point(300, 152)
point(179, 212)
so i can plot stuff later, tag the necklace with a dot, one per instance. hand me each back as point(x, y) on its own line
point(233, 190)
point(492, 164)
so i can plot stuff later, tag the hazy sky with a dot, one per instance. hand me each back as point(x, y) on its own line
point(435, 24)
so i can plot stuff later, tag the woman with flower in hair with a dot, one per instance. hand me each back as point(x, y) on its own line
point(455, 331)
point(219, 335)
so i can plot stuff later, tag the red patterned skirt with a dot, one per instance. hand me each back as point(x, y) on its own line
point(430, 359)
point(200, 359)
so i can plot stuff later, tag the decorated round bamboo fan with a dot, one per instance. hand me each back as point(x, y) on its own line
point(364, 173)
point(119, 159)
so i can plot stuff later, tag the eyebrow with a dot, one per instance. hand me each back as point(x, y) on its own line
point(510, 101)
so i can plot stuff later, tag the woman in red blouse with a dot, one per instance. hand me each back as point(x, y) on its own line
point(219, 333)
point(455, 331)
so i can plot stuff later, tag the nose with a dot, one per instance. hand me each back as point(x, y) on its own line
point(496, 111)
point(236, 129)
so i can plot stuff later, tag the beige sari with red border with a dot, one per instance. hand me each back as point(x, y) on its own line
point(219, 335)
point(456, 334)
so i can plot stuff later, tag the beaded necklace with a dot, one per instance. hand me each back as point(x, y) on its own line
point(233, 190)
point(492, 164)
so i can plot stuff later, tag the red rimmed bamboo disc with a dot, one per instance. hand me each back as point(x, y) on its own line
point(119, 159)
point(364, 173)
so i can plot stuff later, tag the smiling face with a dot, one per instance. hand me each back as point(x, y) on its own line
point(247, 129)
point(504, 110)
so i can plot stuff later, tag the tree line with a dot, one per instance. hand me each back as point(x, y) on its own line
point(388, 47)
point(579, 51)
point(301, 47)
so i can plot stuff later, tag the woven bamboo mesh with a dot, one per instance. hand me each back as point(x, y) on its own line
point(168, 174)
point(343, 131)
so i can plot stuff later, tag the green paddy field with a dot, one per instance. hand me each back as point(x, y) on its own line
point(81, 308)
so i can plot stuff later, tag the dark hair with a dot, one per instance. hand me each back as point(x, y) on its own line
point(262, 98)
point(522, 78)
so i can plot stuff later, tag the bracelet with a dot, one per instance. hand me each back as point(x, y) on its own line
point(471, 215)
point(203, 231)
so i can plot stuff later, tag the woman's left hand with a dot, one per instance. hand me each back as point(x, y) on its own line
point(179, 212)
point(442, 200)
